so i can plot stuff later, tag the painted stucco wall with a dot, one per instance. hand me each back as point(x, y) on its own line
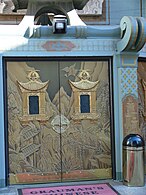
point(93, 41)
point(77, 42)
point(144, 8)
point(119, 8)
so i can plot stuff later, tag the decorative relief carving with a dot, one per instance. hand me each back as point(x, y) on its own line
point(6, 6)
point(33, 91)
point(60, 123)
point(130, 115)
point(58, 46)
point(129, 98)
point(92, 7)
point(133, 34)
point(144, 87)
point(23, 4)
point(84, 90)
point(142, 100)
point(41, 45)
point(34, 149)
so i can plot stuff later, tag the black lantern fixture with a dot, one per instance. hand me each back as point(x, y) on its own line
point(59, 24)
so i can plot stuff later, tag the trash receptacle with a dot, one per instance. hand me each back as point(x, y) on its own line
point(133, 160)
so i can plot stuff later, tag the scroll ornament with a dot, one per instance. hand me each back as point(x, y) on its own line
point(133, 34)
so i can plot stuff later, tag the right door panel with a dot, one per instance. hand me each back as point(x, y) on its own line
point(85, 120)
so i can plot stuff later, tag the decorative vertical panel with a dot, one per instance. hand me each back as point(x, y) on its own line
point(33, 98)
point(129, 82)
point(142, 100)
point(129, 96)
point(86, 143)
point(81, 89)
point(130, 115)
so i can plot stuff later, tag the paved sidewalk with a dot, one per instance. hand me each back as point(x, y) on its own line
point(118, 186)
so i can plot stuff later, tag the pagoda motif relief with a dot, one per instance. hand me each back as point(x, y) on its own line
point(84, 92)
point(33, 97)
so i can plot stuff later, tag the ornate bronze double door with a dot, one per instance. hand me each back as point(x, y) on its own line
point(58, 121)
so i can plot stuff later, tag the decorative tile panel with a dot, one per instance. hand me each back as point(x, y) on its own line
point(52, 45)
point(128, 82)
point(129, 100)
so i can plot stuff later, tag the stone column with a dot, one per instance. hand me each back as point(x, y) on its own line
point(133, 36)
point(125, 102)
point(129, 93)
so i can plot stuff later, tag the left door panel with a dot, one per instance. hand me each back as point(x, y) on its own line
point(31, 92)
